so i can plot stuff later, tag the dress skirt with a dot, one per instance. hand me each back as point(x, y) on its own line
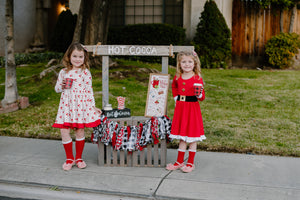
point(187, 123)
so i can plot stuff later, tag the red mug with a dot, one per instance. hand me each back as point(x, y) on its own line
point(69, 82)
point(197, 88)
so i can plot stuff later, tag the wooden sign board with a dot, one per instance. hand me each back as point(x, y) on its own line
point(157, 96)
point(130, 50)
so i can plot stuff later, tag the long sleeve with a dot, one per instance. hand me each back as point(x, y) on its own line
point(202, 95)
point(58, 87)
point(174, 87)
point(88, 86)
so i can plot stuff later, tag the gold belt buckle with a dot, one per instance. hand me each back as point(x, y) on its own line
point(182, 98)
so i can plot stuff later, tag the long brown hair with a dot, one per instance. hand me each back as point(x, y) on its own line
point(66, 61)
point(194, 56)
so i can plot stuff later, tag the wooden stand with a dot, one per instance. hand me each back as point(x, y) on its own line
point(156, 154)
point(152, 156)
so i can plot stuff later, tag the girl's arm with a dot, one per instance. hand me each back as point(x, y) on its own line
point(174, 87)
point(201, 97)
point(89, 89)
point(60, 83)
point(88, 86)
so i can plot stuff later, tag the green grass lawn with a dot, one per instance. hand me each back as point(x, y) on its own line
point(247, 111)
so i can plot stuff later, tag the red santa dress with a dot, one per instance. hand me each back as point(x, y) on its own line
point(76, 104)
point(187, 123)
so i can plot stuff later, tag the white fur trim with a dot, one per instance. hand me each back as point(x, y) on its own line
point(188, 139)
point(67, 142)
point(80, 139)
point(175, 98)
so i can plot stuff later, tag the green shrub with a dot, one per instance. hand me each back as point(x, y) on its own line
point(281, 48)
point(31, 58)
point(212, 40)
point(147, 34)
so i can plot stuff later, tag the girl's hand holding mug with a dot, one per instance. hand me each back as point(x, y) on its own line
point(198, 88)
point(63, 84)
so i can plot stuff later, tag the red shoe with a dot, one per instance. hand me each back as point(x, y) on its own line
point(67, 166)
point(80, 164)
point(172, 167)
point(189, 167)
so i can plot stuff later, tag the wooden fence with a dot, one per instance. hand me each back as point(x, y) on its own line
point(252, 27)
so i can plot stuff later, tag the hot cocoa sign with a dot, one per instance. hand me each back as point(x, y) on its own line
point(131, 50)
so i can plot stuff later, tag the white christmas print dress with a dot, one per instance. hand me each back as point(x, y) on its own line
point(76, 106)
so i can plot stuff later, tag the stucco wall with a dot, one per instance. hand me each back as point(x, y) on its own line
point(24, 24)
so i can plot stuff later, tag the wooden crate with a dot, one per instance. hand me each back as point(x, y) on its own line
point(154, 155)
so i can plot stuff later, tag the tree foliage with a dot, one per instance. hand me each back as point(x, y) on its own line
point(281, 48)
point(213, 37)
point(282, 4)
point(63, 31)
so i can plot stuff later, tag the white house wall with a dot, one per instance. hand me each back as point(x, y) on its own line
point(24, 24)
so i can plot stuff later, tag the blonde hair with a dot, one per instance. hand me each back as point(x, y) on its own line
point(194, 56)
point(66, 61)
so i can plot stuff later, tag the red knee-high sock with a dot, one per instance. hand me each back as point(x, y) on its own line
point(79, 144)
point(192, 154)
point(180, 156)
point(68, 146)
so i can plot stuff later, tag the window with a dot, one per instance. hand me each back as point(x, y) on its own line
point(146, 11)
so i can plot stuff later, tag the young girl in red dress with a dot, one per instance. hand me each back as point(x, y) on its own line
point(187, 124)
point(77, 104)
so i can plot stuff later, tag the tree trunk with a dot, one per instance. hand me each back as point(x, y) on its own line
point(281, 20)
point(92, 22)
point(11, 91)
point(78, 28)
point(38, 40)
point(293, 16)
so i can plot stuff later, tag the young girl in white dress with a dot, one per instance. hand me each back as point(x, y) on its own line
point(77, 104)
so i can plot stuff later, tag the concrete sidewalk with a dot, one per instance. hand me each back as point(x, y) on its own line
point(37, 163)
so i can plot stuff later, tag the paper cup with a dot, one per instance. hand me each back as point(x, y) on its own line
point(69, 83)
point(121, 102)
point(197, 88)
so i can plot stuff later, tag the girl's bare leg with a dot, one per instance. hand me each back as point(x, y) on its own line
point(79, 133)
point(65, 135)
point(182, 145)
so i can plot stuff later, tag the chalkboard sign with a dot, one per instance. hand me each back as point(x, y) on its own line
point(157, 96)
point(115, 113)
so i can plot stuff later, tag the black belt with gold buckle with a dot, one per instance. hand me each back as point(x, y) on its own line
point(187, 98)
